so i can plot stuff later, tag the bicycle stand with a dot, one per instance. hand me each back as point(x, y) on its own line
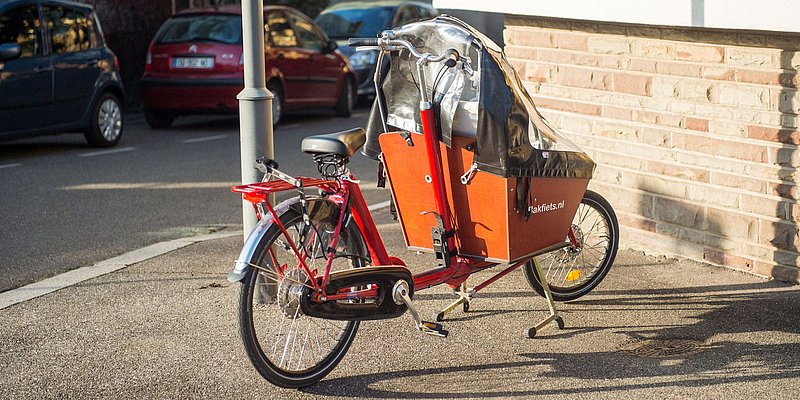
point(465, 296)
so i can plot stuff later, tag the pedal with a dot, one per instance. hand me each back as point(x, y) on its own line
point(400, 294)
point(433, 329)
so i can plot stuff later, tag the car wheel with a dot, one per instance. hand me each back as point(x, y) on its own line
point(105, 128)
point(277, 102)
point(158, 119)
point(347, 99)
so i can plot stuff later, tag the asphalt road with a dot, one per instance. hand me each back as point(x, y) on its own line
point(65, 205)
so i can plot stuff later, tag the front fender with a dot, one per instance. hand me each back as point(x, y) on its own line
point(263, 226)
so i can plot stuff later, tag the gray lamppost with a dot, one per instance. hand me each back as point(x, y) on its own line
point(255, 103)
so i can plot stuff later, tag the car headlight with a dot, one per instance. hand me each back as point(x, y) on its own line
point(365, 58)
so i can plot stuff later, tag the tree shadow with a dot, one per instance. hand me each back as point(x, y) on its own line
point(729, 321)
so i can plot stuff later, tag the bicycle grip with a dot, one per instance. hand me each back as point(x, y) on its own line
point(353, 42)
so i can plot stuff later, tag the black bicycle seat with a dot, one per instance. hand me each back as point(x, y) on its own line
point(344, 143)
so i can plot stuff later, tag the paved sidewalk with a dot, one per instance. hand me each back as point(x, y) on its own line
point(656, 328)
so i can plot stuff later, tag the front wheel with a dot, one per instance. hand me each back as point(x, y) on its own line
point(574, 271)
point(288, 348)
point(105, 127)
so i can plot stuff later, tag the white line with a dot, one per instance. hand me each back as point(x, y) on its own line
point(205, 139)
point(49, 285)
point(76, 276)
point(104, 152)
point(379, 205)
point(12, 165)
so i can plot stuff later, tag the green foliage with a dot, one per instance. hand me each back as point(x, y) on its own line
point(308, 7)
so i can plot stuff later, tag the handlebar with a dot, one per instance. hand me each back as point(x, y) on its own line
point(387, 43)
point(353, 42)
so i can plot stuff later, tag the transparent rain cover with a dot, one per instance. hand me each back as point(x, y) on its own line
point(513, 139)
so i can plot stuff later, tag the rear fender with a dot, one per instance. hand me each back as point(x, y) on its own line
point(317, 208)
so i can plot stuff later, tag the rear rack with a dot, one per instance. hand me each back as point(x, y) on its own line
point(258, 192)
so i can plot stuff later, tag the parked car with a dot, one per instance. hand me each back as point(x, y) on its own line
point(195, 65)
point(368, 19)
point(56, 73)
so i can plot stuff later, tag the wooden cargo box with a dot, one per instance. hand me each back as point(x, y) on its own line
point(486, 222)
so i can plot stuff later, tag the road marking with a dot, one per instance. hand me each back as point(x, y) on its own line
point(205, 139)
point(379, 205)
point(152, 185)
point(104, 152)
point(12, 165)
point(70, 278)
point(49, 285)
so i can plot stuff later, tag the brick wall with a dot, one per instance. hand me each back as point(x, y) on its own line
point(694, 130)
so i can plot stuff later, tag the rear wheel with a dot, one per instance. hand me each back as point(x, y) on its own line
point(288, 348)
point(159, 119)
point(347, 98)
point(105, 128)
point(277, 102)
point(574, 271)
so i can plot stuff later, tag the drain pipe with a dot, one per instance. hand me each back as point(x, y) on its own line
point(255, 104)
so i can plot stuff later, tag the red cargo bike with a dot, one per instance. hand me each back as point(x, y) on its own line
point(487, 183)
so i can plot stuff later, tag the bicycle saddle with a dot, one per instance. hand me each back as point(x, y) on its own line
point(344, 143)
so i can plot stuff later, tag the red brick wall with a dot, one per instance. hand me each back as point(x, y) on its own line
point(694, 130)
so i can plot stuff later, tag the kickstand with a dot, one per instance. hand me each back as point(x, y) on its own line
point(464, 297)
point(553, 314)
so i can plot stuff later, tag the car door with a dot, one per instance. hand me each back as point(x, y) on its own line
point(75, 59)
point(283, 55)
point(25, 82)
point(323, 68)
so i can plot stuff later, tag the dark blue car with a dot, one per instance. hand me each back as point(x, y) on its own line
point(346, 20)
point(56, 73)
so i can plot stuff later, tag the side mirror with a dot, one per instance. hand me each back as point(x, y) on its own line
point(330, 47)
point(9, 51)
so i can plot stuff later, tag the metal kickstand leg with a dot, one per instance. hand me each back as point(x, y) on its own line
point(464, 297)
point(553, 315)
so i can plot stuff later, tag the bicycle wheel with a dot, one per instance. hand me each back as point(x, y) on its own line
point(288, 348)
point(574, 271)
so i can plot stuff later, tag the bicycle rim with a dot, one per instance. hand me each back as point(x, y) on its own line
point(573, 271)
point(287, 347)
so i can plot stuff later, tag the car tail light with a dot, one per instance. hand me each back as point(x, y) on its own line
point(241, 62)
point(148, 59)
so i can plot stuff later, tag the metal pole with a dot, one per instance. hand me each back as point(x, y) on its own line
point(255, 103)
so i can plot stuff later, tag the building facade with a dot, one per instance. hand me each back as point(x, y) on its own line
point(690, 108)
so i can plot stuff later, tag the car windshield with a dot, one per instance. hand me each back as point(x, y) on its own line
point(202, 28)
point(355, 22)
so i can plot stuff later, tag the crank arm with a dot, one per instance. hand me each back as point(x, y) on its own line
point(400, 296)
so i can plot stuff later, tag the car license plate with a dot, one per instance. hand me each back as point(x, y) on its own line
point(193, 62)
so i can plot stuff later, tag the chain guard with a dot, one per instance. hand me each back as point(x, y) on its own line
point(383, 307)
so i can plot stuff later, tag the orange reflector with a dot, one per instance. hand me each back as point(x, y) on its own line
point(574, 275)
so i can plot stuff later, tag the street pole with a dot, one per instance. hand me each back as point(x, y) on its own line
point(255, 103)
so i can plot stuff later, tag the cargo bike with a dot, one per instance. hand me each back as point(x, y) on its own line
point(479, 179)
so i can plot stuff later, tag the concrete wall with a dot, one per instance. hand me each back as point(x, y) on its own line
point(694, 130)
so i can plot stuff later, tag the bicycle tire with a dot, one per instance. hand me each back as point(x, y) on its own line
point(258, 317)
point(570, 273)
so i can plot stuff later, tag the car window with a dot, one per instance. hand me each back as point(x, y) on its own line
point(363, 21)
point(309, 38)
point(425, 13)
point(225, 29)
point(21, 26)
point(70, 30)
point(280, 31)
point(405, 15)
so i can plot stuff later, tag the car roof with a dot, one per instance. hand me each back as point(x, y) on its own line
point(377, 3)
point(229, 10)
point(11, 3)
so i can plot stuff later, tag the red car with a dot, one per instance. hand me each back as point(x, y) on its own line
point(195, 65)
